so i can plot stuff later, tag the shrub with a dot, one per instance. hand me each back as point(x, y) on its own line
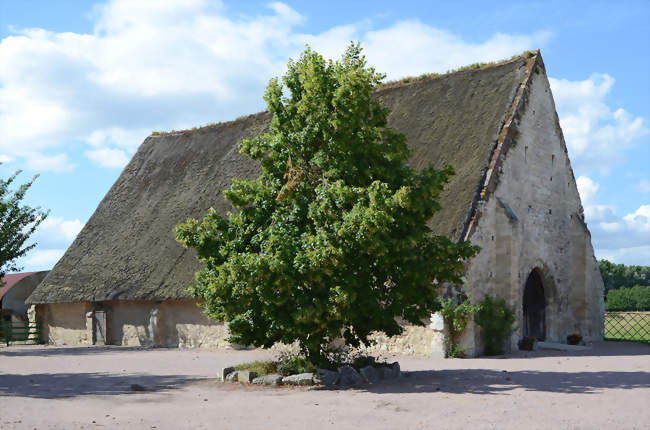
point(496, 319)
point(636, 298)
point(456, 312)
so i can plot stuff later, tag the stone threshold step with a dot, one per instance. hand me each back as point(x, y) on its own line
point(562, 346)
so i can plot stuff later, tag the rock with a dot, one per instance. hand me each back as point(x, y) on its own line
point(246, 376)
point(232, 377)
point(300, 379)
point(224, 372)
point(349, 376)
point(393, 370)
point(268, 380)
point(371, 374)
point(326, 377)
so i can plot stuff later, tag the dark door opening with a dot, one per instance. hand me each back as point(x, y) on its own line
point(534, 307)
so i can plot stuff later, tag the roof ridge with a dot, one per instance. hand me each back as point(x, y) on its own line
point(381, 87)
point(503, 142)
point(463, 69)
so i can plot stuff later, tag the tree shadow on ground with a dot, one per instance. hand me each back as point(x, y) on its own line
point(49, 351)
point(600, 348)
point(481, 381)
point(61, 385)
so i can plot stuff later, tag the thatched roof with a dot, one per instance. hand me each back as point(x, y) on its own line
point(127, 250)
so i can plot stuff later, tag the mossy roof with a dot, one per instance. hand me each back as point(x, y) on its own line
point(127, 251)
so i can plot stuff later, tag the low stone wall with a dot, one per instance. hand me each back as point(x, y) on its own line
point(182, 324)
point(130, 323)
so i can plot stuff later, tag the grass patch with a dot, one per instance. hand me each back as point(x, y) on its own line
point(292, 365)
point(262, 368)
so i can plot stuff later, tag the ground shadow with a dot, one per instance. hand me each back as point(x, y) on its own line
point(481, 381)
point(48, 351)
point(61, 385)
point(601, 349)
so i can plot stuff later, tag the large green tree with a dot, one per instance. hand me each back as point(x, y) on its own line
point(17, 223)
point(331, 239)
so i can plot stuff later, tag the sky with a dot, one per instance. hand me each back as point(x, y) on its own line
point(82, 83)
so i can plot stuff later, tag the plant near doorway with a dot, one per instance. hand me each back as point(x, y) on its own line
point(496, 320)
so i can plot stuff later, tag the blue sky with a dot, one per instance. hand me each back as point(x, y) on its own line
point(83, 83)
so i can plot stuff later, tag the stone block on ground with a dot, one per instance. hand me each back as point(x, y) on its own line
point(371, 374)
point(393, 370)
point(246, 376)
point(326, 377)
point(268, 380)
point(231, 377)
point(349, 376)
point(224, 372)
point(299, 379)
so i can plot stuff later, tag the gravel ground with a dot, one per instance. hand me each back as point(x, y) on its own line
point(46, 387)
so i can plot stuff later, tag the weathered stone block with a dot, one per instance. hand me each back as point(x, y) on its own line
point(299, 379)
point(326, 377)
point(224, 372)
point(349, 376)
point(268, 380)
point(371, 374)
point(246, 376)
point(393, 370)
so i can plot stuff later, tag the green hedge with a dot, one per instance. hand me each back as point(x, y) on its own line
point(636, 298)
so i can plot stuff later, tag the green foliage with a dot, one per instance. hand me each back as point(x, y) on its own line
point(292, 364)
point(496, 319)
point(18, 223)
point(456, 312)
point(636, 298)
point(621, 276)
point(331, 239)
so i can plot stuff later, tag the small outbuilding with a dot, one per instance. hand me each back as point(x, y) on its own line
point(125, 279)
point(15, 288)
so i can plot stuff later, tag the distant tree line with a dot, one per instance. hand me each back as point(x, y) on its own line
point(627, 288)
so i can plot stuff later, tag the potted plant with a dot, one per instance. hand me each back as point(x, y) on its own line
point(527, 343)
point(574, 339)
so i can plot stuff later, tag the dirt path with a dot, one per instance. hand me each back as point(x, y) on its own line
point(607, 387)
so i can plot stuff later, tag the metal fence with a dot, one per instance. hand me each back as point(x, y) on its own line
point(632, 326)
point(18, 331)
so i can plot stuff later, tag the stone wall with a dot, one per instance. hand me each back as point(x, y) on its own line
point(131, 323)
point(64, 323)
point(534, 220)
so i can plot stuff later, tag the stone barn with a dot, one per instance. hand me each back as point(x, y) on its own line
point(124, 279)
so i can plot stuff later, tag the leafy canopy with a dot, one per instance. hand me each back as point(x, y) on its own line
point(331, 239)
point(17, 223)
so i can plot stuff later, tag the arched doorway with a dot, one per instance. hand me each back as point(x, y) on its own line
point(534, 307)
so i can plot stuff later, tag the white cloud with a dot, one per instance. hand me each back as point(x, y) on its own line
point(638, 255)
point(52, 236)
point(610, 232)
point(587, 189)
point(640, 219)
point(151, 65)
point(56, 232)
point(108, 157)
point(43, 259)
point(48, 163)
point(643, 186)
point(597, 136)
point(5, 158)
